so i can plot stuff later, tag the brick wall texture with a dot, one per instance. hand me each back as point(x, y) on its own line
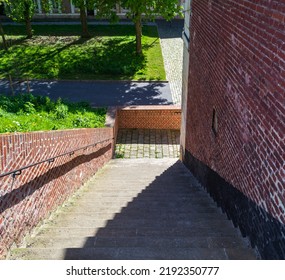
point(237, 68)
point(31, 196)
point(149, 117)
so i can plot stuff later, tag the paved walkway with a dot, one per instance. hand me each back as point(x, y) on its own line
point(99, 94)
point(172, 49)
point(147, 143)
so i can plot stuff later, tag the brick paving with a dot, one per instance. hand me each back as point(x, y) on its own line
point(147, 143)
point(170, 34)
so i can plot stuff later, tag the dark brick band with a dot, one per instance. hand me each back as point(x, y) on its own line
point(264, 231)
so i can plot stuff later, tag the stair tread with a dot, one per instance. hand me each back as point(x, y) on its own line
point(93, 241)
point(134, 253)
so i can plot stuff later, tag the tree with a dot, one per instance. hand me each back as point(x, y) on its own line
point(83, 6)
point(106, 9)
point(23, 11)
point(149, 9)
point(103, 8)
point(2, 33)
point(3, 37)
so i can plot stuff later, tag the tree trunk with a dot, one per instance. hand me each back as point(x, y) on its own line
point(138, 25)
point(29, 28)
point(28, 20)
point(84, 25)
point(3, 37)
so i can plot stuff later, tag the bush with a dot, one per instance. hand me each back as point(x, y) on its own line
point(61, 111)
point(27, 112)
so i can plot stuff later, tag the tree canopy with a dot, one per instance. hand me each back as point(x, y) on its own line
point(23, 11)
point(2, 32)
point(148, 9)
point(104, 8)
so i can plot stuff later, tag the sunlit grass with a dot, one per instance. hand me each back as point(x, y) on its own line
point(58, 52)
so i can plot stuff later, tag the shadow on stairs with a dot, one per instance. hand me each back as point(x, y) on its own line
point(138, 209)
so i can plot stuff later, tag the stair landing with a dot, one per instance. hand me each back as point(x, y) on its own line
point(147, 143)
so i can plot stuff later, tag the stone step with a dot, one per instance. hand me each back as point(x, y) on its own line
point(90, 210)
point(145, 216)
point(171, 184)
point(111, 232)
point(144, 203)
point(117, 188)
point(164, 192)
point(141, 223)
point(157, 242)
point(134, 253)
point(146, 197)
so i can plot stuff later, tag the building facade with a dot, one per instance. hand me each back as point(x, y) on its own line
point(66, 9)
point(185, 73)
point(234, 114)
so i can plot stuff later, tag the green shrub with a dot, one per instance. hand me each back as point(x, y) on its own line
point(61, 111)
point(81, 122)
point(29, 107)
point(26, 112)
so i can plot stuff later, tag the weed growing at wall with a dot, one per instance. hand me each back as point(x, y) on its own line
point(27, 112)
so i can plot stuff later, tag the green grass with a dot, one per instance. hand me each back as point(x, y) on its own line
point(26, 112)
point(58, 52)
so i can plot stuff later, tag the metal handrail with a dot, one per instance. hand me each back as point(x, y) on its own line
point(18, 171)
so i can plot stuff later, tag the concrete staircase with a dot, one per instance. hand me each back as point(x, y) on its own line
point(137, 209)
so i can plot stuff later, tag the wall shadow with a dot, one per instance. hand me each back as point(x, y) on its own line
point(15, 196)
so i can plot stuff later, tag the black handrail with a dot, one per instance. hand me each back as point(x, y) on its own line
point(18, 171)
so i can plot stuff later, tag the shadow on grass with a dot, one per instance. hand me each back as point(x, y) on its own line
point(28, 60)
point(77, 59)
point(75, 30)
point(115, 57)
point(14, 41)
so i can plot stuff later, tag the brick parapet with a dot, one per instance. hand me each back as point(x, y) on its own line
point(30, 197)
point(150, 117)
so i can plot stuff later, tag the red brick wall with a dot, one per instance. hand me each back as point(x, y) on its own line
point(150, 117)
point(31, 196)
point(237, 67)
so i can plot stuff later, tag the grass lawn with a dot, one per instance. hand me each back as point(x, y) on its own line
point(22, 113)
point(58, 52)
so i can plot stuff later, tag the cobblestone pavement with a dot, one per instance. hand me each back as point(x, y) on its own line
point(170, 34)
point(147, 143)
point(153, 143)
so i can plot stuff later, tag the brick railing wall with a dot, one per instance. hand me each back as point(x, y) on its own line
point(237, 73)
point(31, 196)
point(149, 117)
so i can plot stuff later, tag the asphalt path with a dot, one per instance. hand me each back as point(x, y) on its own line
point(97, 93)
